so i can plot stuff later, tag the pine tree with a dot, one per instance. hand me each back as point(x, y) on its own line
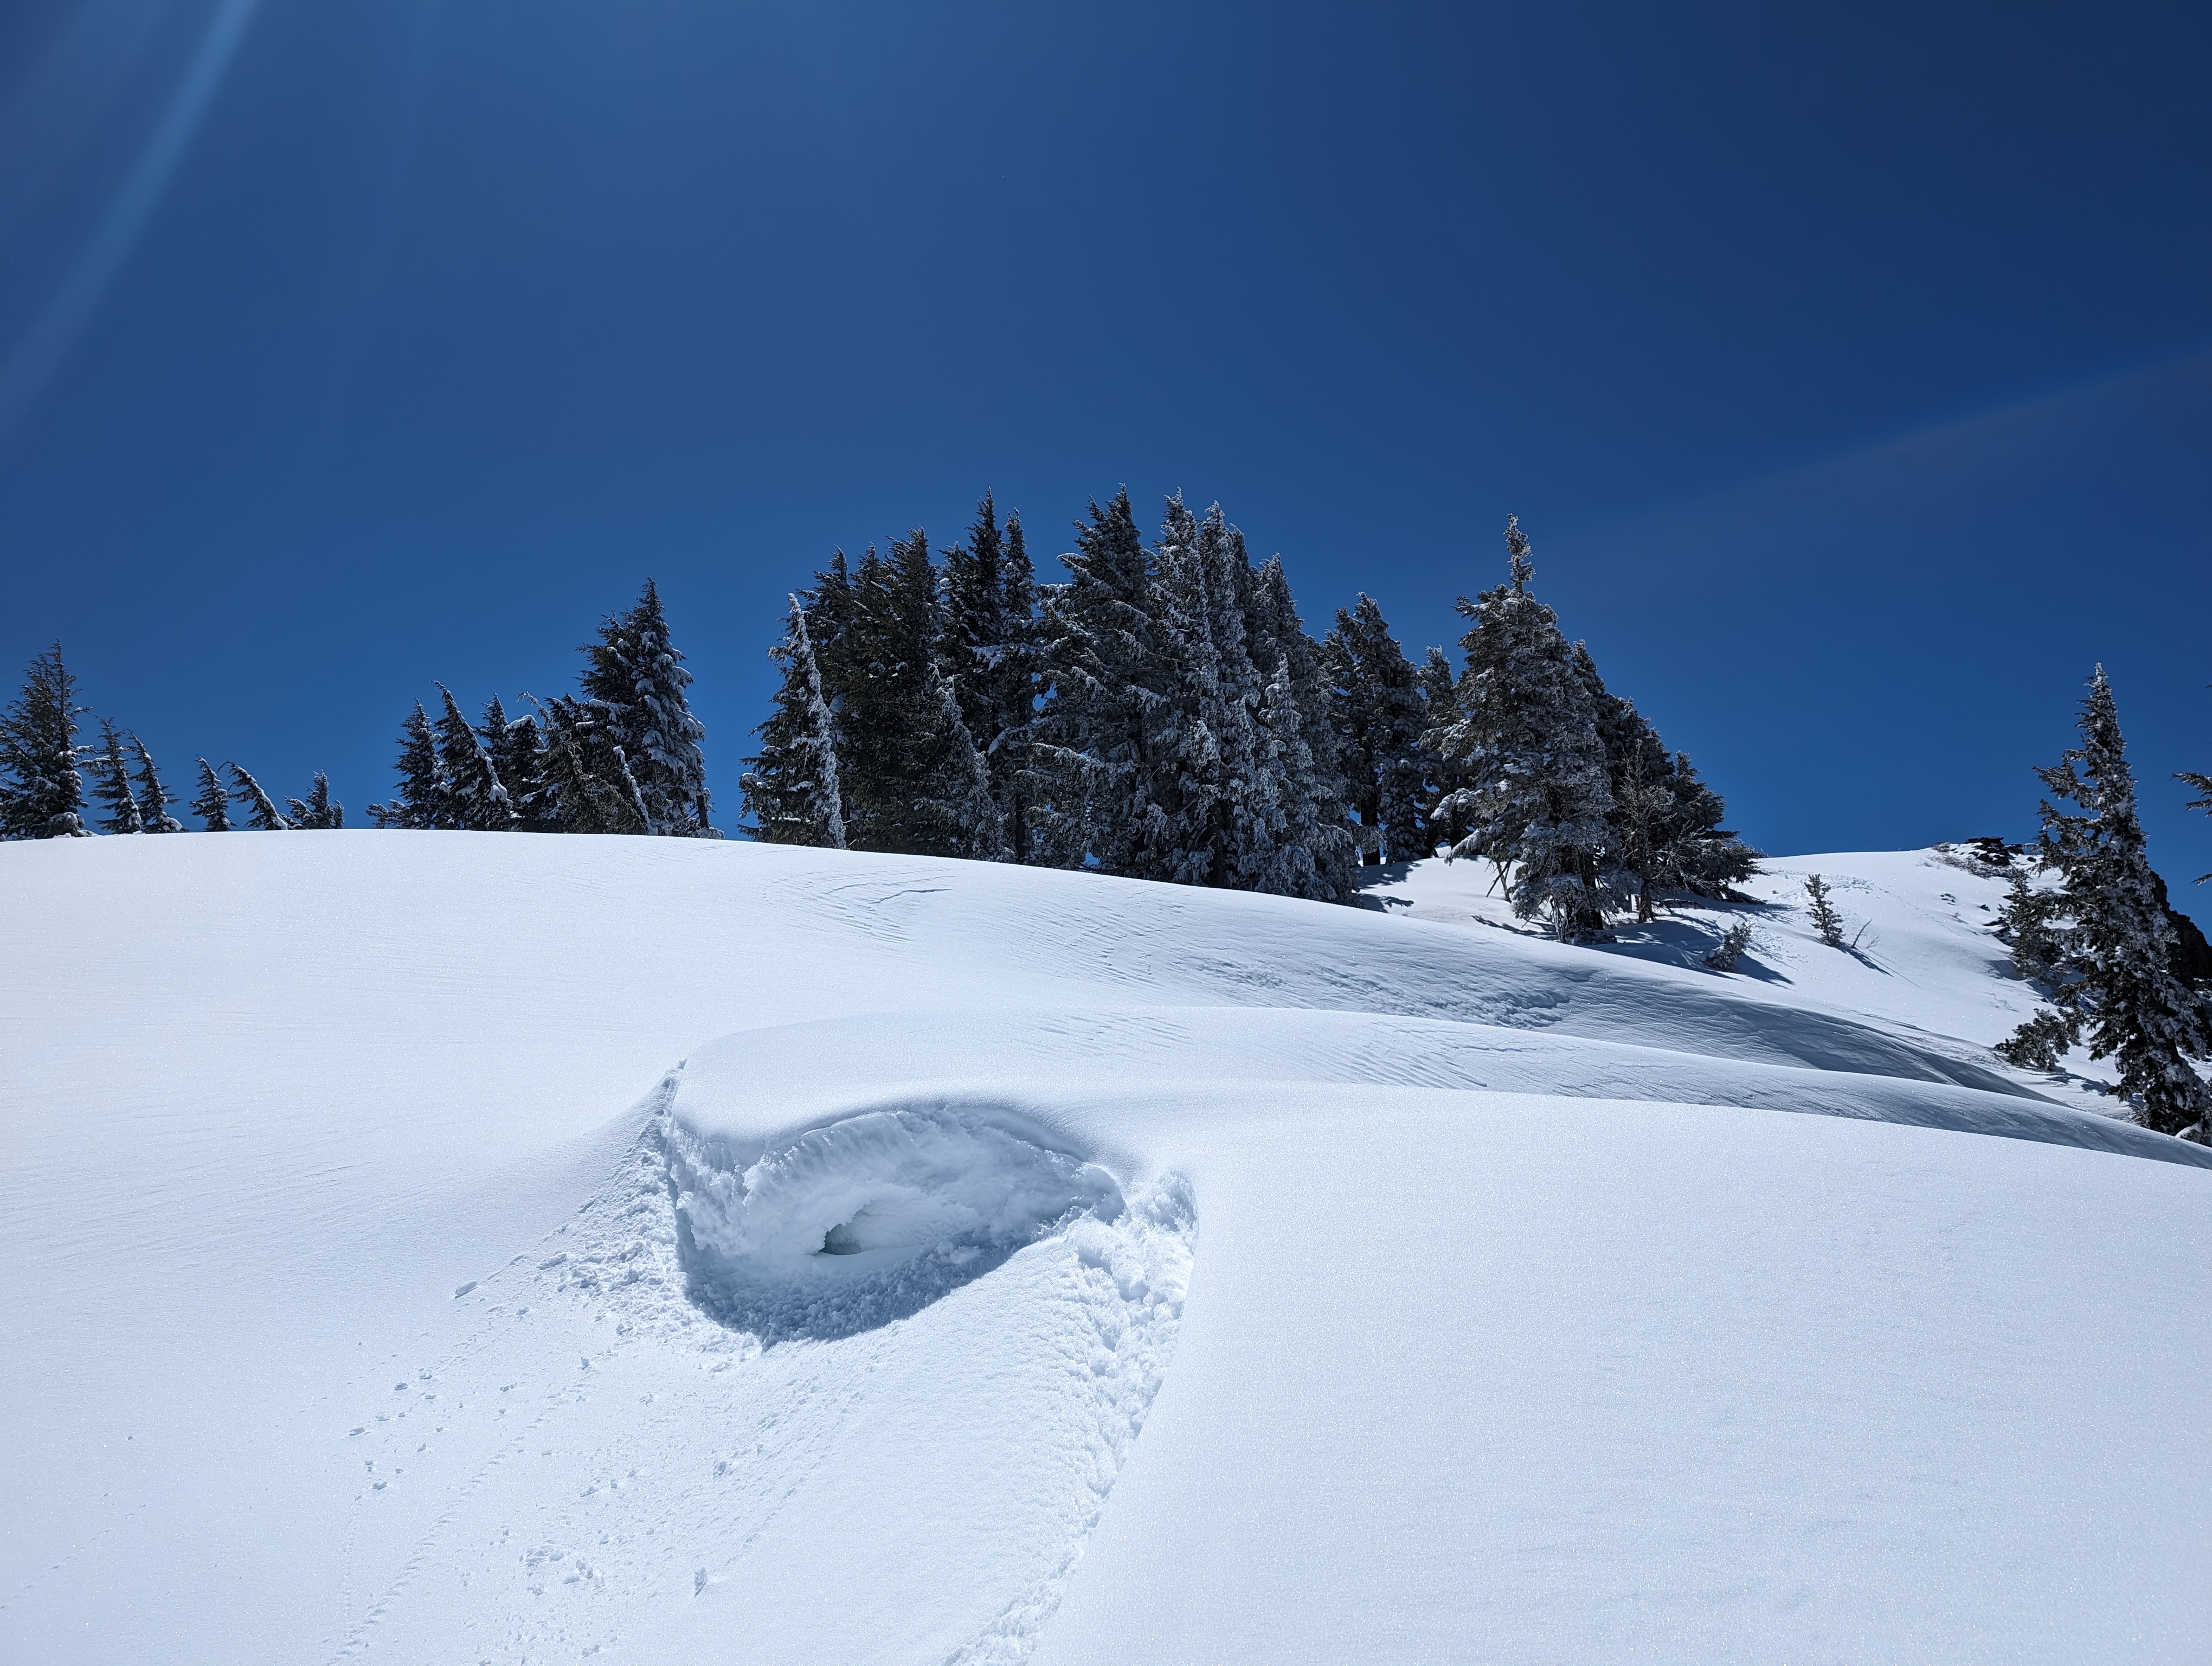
point(792, 791)
point(1094, 733)
point(634, 676)
point(1828, 924)
point(316, 811)
point(1380, 714)
point(2117, 952)
point(212, 807)
point(1537, 800)
point(475, 796)
point(423, 800)
point(110, 784)
point(41, 792)
point(261, 809)
point(153, 797)
point(988, 652)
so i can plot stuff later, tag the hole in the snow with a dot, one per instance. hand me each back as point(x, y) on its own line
point(869, 1220)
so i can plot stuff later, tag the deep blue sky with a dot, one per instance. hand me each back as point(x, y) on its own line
point(1851, 367)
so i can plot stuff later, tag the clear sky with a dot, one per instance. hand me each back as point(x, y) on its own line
point(1851, 367)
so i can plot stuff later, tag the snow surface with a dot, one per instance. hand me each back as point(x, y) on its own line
point(459, 1247)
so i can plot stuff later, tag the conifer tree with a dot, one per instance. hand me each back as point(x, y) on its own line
point(260, 808)
point(792, 791)
point(2026, 925)
point(2202, 784)
point(1447, 777)
point(1380, 714)
point(212, 807)
point(153, 797)
point(41, 792)
point(516, 752)
point(475, 796)
point(316, 811)
point(2118, 948)
point(1526, 734)
point(423, 800)
point(1828, 924)
point(589, 788)
point(1317, 853)
point(1095, 734)
point(111, 784)
point(988, 652)
point(634, 676)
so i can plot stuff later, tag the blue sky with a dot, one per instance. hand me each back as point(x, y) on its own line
point(1851, 367)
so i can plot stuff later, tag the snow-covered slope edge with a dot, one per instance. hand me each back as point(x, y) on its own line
point(1468, 1292)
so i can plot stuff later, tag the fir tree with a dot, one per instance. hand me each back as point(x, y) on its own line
point(1317, 853)
point(1828, 924)
point(423, 800)
point(792, 791)
point(1095, 734)
point(588, 787)
point(1380, 713)
point(634, 676)
point(153, 797)
point(2026, 925)
point(260, 808)
point(2118, 948)
point(41, 792)
point(1447, 777)
point(212, 807)
point(1537, 799)
point(988, 652)
point(516, 751)
point(475, 796)
point(1727, 955)
point(317, 811)
point(111, 784)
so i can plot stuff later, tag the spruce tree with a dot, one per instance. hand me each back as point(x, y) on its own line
point(516, 751)
point(260, 808)
point(1380, 713)
point(588, 787)
point(423, 800)
point(316, 811)
point(792, 791)
point(1446, 778)
point(1828, 924)
point(212, 807)
point(2119, 947)
point(634, 676)
point(988, 652)
point(153, 797)
point(1317, 853)
point(1537, 799)
point(110, 784)
point(41, 792)
point(1094, 733)
point(476, 796)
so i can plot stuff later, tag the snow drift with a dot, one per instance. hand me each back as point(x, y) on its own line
point(1023, 1266)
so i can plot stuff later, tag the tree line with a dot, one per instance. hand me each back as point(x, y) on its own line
point(1162, 713)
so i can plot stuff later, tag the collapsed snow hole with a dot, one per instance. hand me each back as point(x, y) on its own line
point(867, 1220)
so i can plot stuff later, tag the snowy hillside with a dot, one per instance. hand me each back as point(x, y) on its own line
point(457, 1248)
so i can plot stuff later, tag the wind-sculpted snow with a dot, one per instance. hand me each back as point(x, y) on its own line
point(1550, 1303)
point(869, 1220)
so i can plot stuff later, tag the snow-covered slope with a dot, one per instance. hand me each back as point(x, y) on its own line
point(457, 1248)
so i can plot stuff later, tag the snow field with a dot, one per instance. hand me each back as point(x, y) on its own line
point(1024, 1266)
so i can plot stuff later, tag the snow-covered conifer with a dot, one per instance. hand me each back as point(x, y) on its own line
point(475, 796)
point(423, 800)
point(110, 784)
point(791, 789)
point(317, 810)
point(153, 797)
point(988, 651)
point(1380, 714)
point(2119, 947)
point(1536, 800)
point(516, 752)
point(634, 676)
point(212, 807)
point(1317, 850)
point(41, 792)
point(1727, 955)
point(1828, 924)
point(2025, 923)
point(260, 809)
point(1446, 778)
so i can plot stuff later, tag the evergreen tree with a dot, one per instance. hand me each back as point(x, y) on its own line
point(1095, 734)
point(988, 651)
point(41, 792)
point(1317, 853)
point(153, 796)
point(423, 800)
point(2202, 784)
point(1526, 733)
point(634, 676)
point(316, 811)
point(260, 808)
point(110, 784)
point(1447, 777)
point(1379, 712)
point(2026, 925)
point(212, 807)
point(2118, 948)
point(588, 787)
point(1828, 924)
point(475, 796)
point(516, 751)
point(792, 791)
